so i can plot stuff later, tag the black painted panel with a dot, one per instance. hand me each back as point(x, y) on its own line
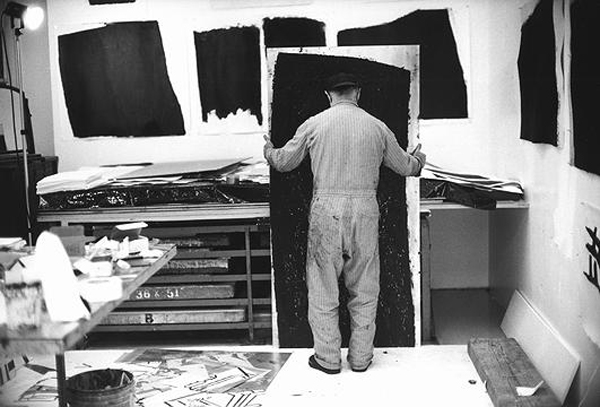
point(293, 32)
point(94, 2)
point(585, 83)
point(115, 82)
point(537, 77)
point(298, 95)
point(228, 62)
point(443, 92)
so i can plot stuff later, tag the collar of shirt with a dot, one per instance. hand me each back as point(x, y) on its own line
point(344, 102)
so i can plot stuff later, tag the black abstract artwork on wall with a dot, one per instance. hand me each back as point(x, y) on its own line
point(298, 95)
point(593, 249)
point(443, 93)
point(115, 82)
point(228, 63)
point(95, 2)
point(537, 77)
point(585, 83)
point(293, 32)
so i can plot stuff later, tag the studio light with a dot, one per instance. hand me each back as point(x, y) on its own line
point(30, 17)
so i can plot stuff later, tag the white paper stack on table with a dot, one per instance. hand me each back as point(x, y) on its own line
point(476, 181)
point(81, 179)
point(12, 243)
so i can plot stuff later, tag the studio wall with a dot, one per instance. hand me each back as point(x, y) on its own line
point(225, 133)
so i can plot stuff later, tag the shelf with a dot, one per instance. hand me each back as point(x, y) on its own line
point(182, 327)
point(246, 249)
point(162, 213)
point(206, 278)
point(193, 303)
point(209, 254)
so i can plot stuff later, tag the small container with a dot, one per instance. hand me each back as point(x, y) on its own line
point(101, 388)
point(23, 305)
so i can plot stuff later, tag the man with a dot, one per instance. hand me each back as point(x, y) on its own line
point(347, 146)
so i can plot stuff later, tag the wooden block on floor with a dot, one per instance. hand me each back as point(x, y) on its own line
point(538, 339)
point(503, 365)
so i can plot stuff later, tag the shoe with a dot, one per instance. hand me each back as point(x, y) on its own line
point(364, 369)
point(312, 362)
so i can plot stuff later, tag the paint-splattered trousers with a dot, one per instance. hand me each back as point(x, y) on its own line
point(343, 238)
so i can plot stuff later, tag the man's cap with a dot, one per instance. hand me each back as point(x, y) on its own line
point(341, 79)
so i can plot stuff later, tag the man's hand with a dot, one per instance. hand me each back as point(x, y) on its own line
point(268, 145)
point(419, 155)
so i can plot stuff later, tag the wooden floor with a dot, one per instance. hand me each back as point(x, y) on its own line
point(459, 315)
point(421, 376)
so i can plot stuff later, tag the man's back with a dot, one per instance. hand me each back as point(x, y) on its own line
point(346, 145)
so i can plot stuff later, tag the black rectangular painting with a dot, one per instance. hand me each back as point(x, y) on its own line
point(443, 93)
point(293, 32)
point(537, 77)
point(115, 82)
point(585, 83)
point(298, 95)
point(228, 62)
point(94, 2)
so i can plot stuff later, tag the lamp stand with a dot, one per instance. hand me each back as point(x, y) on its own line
point(22, 114)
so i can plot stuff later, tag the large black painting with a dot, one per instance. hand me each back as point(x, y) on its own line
point(298, 95)
point(585, 83)
point(443, 93)
point(115, 82)
point(228, 63)
point(537, 77)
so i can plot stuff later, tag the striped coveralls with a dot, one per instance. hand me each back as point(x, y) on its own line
point(347, 146)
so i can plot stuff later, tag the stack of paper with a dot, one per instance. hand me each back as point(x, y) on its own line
point(479, 182)
point(11, 243)
point(81, 179)
point(70, 180)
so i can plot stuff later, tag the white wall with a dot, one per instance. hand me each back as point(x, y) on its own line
point(460, 247)
point(445, 141)
point(543, 252)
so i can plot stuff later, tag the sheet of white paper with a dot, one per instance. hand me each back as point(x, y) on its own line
point(528, 391)
point(61, 292)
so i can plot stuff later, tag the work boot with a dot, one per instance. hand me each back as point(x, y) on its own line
point(312, 362)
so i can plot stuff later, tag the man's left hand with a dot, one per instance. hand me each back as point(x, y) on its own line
point(268, 145)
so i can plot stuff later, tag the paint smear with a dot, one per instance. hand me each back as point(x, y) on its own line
point(298, 95)
point(537, 77)
point(115, 82)
point(293, 32)
point(228, 63)
point(443, 92)
point(585, 83)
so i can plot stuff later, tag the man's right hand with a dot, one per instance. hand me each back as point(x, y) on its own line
point(419, 155)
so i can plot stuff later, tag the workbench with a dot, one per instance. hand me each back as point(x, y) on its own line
point(55, 338)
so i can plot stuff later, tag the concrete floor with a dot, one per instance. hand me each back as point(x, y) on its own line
point(459, 315)
point(421, 376)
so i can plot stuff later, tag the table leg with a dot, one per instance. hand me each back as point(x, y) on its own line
point(61, 379)
point(426, 320)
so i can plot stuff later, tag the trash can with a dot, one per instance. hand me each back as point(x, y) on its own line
point(101, 388)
